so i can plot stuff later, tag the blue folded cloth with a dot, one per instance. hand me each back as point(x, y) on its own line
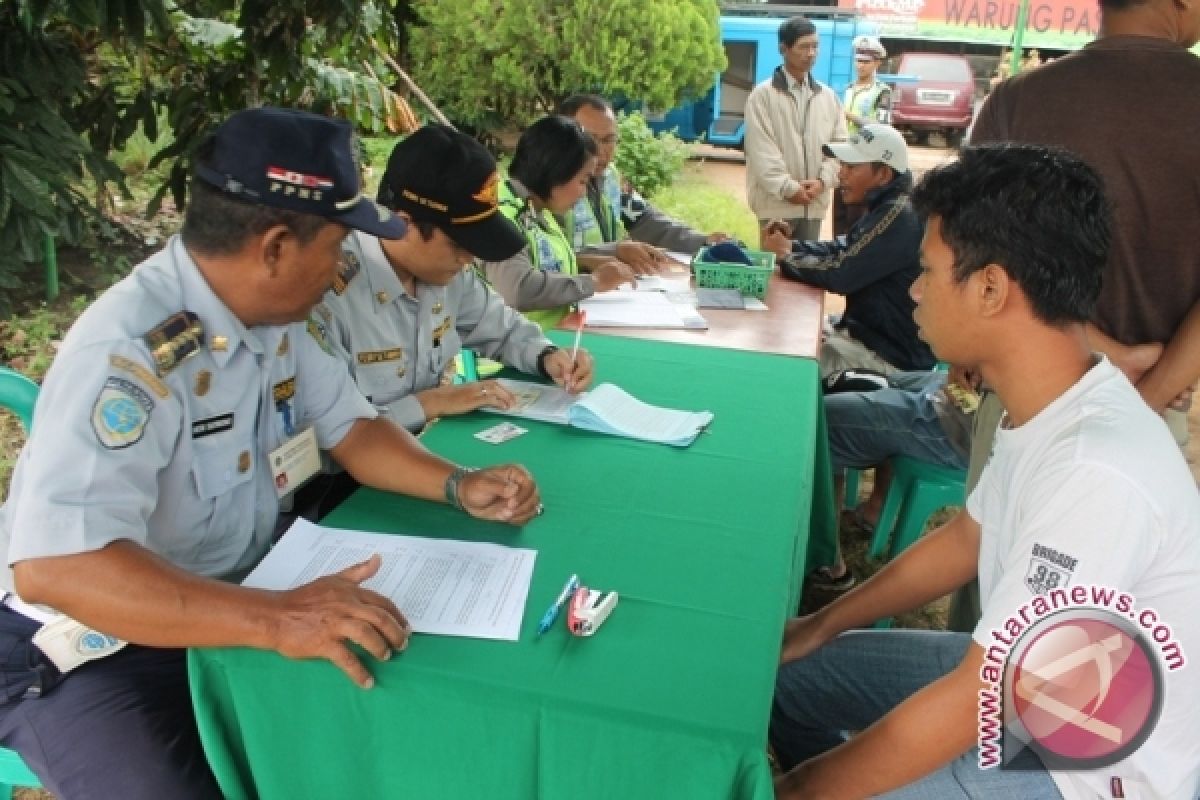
point(727, 252)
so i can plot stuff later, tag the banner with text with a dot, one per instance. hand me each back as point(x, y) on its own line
point(1063, 24)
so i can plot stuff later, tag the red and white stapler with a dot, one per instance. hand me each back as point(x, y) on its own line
point(588, 610)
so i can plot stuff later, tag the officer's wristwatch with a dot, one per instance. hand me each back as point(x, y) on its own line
point(451, 487)
point(541, 360)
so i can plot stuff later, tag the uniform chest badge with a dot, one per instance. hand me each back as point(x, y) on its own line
point(282, 393)
point(441, 329)
point(379, 356)
point(203, 383)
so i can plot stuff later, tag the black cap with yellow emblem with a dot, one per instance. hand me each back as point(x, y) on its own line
point(444, 177)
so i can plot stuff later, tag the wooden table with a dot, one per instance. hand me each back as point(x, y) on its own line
point(791, 325)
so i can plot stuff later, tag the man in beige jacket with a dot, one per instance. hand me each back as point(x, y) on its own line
point(789, 118)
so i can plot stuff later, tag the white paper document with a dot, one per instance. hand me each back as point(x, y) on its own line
point(543, 401)
point(671, 282)
point(610, 409)
point(638, 310)
point(684, 259)
point(442, 586)
point(606, 409)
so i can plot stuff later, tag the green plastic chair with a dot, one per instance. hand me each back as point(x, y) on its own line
point(852, 477)
point(18, 394)
point(13, 772)
point(917, 490)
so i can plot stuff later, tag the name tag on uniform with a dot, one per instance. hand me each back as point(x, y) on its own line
point(295, 461)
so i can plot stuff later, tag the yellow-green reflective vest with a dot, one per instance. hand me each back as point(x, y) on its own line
point(548, 248)
point(583, 226)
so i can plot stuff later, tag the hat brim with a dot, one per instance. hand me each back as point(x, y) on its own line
point(846, 153)
point(493, 238)
point(370, 217)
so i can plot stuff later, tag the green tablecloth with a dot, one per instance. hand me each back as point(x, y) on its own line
point(670, 699)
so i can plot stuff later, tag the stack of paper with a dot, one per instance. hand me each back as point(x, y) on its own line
point(639, 310)
point(609, 409)
point(605, 409)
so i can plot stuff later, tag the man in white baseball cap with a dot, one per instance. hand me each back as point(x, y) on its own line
point(873, 265)
point(872, 144)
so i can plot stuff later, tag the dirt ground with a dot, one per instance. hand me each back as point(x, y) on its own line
point(727, 169)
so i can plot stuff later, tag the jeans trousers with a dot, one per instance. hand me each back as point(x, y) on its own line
point(868, 428)
point(859, 677)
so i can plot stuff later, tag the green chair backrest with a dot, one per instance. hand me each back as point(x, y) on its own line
point(18, 394)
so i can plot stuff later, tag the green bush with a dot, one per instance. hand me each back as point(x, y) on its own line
point(496, 64)
point(650, 162)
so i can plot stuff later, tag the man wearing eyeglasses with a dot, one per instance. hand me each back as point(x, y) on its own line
point(789, 118)
point(612, 218)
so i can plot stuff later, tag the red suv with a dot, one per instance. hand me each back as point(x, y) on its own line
point(942, 98)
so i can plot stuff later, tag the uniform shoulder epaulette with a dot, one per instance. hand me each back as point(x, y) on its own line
point(349, 271)
point(176, 338)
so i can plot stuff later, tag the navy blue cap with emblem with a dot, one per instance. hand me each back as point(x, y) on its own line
point(298, 161)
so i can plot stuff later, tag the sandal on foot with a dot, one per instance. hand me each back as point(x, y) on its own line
point(823, 579)
point(852, 520)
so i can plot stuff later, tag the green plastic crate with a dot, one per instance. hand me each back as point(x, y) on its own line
point(749, 280)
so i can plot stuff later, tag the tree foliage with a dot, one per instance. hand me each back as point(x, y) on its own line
point(79, 77)
point(649, 161)
point(492, 63)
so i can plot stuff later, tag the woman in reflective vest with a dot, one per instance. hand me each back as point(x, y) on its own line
point(548, 175)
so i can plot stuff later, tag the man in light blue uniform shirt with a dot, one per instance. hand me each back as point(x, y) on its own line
point(402, 309)
point(148, 488)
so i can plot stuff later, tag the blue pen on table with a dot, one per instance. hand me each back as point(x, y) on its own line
point(552, 612)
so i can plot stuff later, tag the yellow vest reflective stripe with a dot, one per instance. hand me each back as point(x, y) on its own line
point(581, 225)
point(548, 248)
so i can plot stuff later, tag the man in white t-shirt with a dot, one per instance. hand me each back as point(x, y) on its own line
point(1084, 532)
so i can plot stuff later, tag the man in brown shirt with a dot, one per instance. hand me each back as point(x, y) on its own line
point(1128, 105)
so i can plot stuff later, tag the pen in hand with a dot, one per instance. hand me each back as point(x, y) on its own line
point(575, 348)
point(552, 612)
